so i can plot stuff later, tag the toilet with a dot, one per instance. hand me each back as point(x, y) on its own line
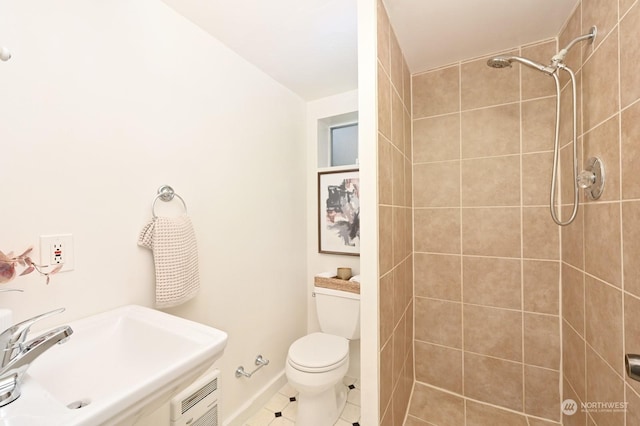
point(317, 362)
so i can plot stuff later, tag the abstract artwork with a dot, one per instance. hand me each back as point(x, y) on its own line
point(339, 212)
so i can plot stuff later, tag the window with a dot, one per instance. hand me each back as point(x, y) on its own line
point(344, 145)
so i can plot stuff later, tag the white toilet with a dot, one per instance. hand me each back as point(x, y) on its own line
point(317, 363)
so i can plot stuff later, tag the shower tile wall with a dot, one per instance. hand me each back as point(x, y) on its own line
point(601, 249)
point(395, 230)
point(487, 268)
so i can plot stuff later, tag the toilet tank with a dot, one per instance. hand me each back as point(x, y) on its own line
point(338, 312)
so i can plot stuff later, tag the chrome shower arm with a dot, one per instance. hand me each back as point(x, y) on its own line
point(559, 57)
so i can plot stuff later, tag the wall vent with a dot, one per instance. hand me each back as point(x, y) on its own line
point(198, 404)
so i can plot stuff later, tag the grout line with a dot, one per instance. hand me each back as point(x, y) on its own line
point(522, 335)
point(485, 256)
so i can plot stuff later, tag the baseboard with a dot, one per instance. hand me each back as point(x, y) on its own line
point(258, 401)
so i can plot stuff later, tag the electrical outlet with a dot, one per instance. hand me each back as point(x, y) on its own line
point(57, 250)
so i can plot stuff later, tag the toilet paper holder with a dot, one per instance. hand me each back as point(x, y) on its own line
point(632, 365)
point(260, 362)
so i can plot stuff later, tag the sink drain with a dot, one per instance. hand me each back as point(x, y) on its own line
point(79, 404)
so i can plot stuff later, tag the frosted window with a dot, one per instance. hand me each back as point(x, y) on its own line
point(344, 145)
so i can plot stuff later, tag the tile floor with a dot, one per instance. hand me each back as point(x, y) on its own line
point(282, 408)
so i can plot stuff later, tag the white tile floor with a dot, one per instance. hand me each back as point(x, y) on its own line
point(282, 408)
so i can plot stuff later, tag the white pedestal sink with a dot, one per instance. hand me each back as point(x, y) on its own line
point(117, 366)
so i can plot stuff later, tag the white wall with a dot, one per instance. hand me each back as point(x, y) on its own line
point(318, 262)
point(102, 103)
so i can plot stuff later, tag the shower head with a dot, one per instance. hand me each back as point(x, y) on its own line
point(506, 61)
point(499, 62)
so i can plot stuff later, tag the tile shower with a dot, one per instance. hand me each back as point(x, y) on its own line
point(512, 313)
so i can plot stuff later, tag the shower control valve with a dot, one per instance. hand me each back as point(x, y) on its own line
point(592, 178)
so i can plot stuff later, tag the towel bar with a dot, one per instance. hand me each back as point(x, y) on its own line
point(260, 362)
point(166, 193)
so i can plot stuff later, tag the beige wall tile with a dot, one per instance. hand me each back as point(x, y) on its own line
point(630, 152)
point(480, 336)
point(533, 421)
point(573, 360)
point(577, 419)
point(438, 276)
point(408, 214)
point(396, 62)
point(633, 409)
point(536, 173)
point(541, 283)
point(406, 85)
point(398, 296)
point(397, 184)
point(603, 321)
point(632, 333)
point(542, 392)
point(414, 421)
point(491, 231)
point(573, 297)
point(384, 103)
point(437, 138)
point(438, 183)
point(566, 110)
point(573, 239)
point(386, 378)
point(443, 238)
point(491, 181)
point(572, 30)
point(600, 89)
point(629, 54)
point(436, 407)
point(385, 170)
point(486, 415)
point(408, 183)
point(397, 120)
point(603, 385)
point(385, 307)
point(384, 31)
point(439, 366)
point(602, 241)
point(604, 142)
point(540, 235)
point(492, 281)
point(494, 381)
point(438, 322)
point(491, 131)
point(399, 246)
point(601, 13)
point(538, 124)
point(407, 135)
point(565, 192)
point(385, 239)
point(436, 92)
point(399, 352)
point(534, 83)
point(542, 341)
point(484, 86)
point(631, 243)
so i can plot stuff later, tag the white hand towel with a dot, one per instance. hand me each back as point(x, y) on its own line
point(355, 278)
point(326, 275)
point(175, 255)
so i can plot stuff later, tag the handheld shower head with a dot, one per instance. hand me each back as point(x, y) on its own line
point(499, 62)
point(506, 61)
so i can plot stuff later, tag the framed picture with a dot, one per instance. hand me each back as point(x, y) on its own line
point(339, 212)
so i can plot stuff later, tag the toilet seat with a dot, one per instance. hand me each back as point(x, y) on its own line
point(318, 352)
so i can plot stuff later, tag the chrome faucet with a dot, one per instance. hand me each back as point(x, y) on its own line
point(17, 354)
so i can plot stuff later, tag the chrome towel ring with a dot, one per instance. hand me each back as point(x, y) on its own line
point(166, 193)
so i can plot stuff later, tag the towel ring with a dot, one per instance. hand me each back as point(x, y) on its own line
point(166, 194)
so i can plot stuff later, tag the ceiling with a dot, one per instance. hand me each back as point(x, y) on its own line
point(310, 46)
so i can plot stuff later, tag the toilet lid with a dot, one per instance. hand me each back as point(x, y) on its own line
point(318, 352)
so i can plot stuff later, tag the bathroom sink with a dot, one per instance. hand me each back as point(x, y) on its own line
point(117, 366)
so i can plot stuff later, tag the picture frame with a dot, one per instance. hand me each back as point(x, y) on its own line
point(339, 212)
